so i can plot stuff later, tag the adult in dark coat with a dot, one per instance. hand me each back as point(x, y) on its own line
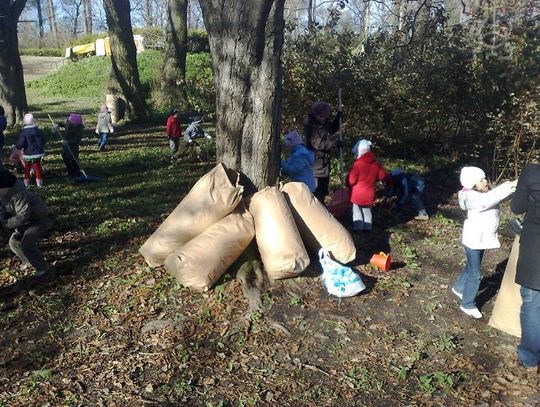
point(320, 136)
point(527, 200)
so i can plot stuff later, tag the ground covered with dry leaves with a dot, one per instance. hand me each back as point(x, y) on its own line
point(106, 330)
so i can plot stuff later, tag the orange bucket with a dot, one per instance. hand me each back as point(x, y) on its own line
point(381, 260)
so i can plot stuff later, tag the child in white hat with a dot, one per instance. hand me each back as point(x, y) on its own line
point(479, 231)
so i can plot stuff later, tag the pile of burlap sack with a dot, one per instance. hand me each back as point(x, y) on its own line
point(214, 224)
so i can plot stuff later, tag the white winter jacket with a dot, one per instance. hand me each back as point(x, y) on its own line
point(480, 227)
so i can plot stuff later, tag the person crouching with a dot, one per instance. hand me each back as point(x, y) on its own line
point(25, 215)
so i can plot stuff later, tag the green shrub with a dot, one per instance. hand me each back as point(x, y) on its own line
point(154, 37)
point(200, 82)
point(87, 38)
point(198, 41)
point(42, 52)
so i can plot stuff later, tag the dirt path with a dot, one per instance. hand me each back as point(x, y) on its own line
point(37, 67)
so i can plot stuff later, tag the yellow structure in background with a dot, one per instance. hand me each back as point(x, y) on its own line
point(100, 47)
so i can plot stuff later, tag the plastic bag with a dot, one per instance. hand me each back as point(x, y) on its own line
point(338, 279)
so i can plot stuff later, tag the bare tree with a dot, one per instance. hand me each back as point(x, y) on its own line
point(39, 11)
point(149, 14)
point(124, 73)
point(246, 41)
point(52, 20)
point(87, 16)
point(12, 92)
point(174, 60)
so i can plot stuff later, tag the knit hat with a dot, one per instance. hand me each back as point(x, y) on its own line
point(7, 179)
point(28, 119)
point(103, 109)
point(293, 139)
point(174, 111)
point(469, 176)
point(197, 119)
point(75, 118)
point(361, 147)
point(321, 109)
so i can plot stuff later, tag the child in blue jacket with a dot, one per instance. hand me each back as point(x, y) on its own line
point(299, 165)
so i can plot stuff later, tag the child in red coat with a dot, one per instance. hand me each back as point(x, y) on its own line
point(174, 132)
point(361, 180)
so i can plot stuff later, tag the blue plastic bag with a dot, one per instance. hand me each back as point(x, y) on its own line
point(338, 279)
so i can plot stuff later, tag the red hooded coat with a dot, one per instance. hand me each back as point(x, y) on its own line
point(363, 175)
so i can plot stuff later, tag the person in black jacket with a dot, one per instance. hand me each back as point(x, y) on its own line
point(320, 136)
point(527, 200)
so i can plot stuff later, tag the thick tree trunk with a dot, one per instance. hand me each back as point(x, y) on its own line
point(124, 74)
point(174, 60)
point(246, 41)
point(12, 91)
point(39, 17)
point(87, 14)
point(52, 20)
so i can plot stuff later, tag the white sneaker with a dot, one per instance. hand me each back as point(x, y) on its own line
point(473, 312)
point(457, 294)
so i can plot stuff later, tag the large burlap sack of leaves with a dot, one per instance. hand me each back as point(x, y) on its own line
point(282, 251)
point(505, 316)
point(316, 224)
point(204, 259)
point(214, 196)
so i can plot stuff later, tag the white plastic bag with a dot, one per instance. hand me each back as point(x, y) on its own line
point(338, 279)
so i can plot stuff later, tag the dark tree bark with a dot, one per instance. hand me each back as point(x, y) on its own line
point(174, 60)
point(149, 13)
point(87, 16)
point(12, 91)
point(246, 41)
point(124, 74)
point(77, 5)
point(39, 10)
point(52, 20)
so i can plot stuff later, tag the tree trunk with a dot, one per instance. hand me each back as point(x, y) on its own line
point(365, 20)
point(124, 73)
point(12, 91)
point(77, 5)
point(174, 60)
point(246, 42)
point(52, 20)
point(87, 14)
point(39, 17)
point(149, 15)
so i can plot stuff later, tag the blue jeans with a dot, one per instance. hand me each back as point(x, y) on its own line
point(529, 347)
point(102, 140)
point(468, 281)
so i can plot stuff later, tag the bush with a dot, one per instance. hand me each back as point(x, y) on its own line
point(87, 39)
point(154, 38)
point(198, 41)
point(42, 52)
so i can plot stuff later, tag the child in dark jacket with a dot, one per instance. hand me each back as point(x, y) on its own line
point(362, 177)
point(32, 140)
point(71, 140)
point(193, 132)
point(409, 187)
point(299, 165)
point(25, 215)
point(174, 132)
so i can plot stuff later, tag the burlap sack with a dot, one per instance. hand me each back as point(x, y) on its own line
point(316, 224)
point(282, 251)
point(203, 260)
point(505, 316)
point(214, 196)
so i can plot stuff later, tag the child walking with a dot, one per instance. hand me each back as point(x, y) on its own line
point(174, 132)
point(299, 165)
point(24, 214)
point(361, 179)
point(104, 127)
point(479, 231)
point(32, 140)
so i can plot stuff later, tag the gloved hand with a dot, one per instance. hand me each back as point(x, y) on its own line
point(56, 127)
point(97, 131)
point(208, 136)
point(111, 130)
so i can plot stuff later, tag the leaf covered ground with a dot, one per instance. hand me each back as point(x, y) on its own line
point(107, 330)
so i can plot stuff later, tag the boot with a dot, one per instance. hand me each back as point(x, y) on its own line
point(39, 182)
point(26, 182)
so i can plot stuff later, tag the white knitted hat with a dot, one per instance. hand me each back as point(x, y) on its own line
point(470, 176)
